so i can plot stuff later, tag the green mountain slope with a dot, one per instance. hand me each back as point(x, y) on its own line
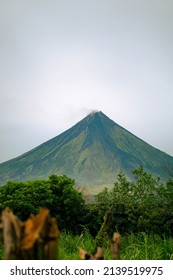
point(92, 152)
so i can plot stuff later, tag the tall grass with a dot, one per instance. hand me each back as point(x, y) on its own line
point(142, 246)
point(139, 246)
point(69, 244)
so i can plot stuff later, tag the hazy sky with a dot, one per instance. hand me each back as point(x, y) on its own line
point(60, 59)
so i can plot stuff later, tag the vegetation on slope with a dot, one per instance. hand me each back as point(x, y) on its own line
point(93, 152)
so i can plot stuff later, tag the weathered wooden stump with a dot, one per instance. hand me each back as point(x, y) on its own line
point(115, 248)
point(36, 238)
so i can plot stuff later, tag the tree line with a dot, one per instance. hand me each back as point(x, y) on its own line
point(144, 204)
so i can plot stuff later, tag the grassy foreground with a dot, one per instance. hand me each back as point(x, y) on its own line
point(133, 247)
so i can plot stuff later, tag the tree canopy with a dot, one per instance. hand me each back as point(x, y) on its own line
point(56, 193)
point(143, 204)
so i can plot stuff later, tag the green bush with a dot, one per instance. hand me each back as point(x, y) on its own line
point(57, 194)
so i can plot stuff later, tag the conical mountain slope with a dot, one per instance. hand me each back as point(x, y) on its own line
point(92, 152)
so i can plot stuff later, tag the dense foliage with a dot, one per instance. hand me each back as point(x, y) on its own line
point(57, 194)
point(142, 205)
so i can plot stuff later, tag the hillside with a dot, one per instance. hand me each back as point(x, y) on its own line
point(92, 152)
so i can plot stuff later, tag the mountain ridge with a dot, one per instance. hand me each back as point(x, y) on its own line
point(93, 152)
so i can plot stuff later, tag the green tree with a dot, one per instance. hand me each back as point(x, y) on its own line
point(25, 198)
point(143, 204)
point(57, 193)
point(68, 205)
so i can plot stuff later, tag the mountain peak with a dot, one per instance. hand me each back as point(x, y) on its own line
point(94, 112)
point(96, 119)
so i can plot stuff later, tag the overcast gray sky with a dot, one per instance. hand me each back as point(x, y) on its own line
point(60, 59)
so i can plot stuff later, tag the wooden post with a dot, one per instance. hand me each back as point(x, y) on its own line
point(115, 248)
point(84, 255)
point(34, 239)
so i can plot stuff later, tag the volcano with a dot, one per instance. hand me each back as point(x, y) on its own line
point(93, 152)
